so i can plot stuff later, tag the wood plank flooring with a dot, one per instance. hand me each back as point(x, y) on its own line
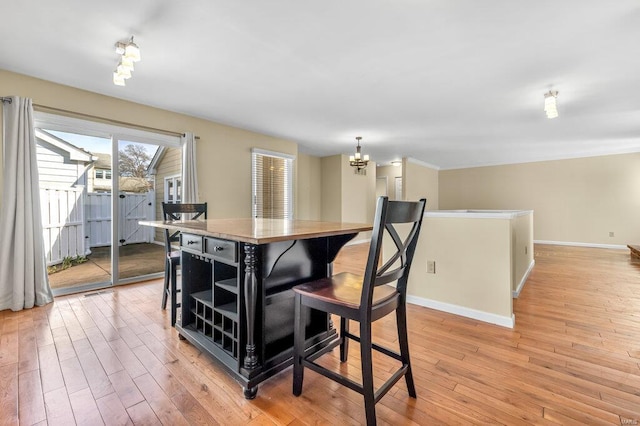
point(112, 358)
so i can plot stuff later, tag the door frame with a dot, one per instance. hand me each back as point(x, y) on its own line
point(117, 134)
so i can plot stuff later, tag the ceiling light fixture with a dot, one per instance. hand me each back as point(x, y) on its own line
point(126, 63)
point(132, 51)
point(358, 160)
point(129, 53)
point(396, 163)
point(118, 80)
point(123, 71)
point(551, 103)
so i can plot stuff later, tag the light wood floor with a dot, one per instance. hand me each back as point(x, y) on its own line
point(573, 358)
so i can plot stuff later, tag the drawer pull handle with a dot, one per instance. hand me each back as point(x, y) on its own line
point(218, 248)
point(189, 242)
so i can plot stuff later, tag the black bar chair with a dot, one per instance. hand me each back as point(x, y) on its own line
point(365, 300)
point(175, 211)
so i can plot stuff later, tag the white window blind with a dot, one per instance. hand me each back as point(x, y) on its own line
point(272, 178)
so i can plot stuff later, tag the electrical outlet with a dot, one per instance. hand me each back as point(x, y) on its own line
point(612, 234)
point(431, 266)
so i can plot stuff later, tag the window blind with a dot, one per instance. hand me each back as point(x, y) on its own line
point(272, 177)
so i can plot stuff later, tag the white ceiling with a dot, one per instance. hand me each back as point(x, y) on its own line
point(452, 83)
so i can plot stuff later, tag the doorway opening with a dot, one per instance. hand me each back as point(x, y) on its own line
point(96, 183)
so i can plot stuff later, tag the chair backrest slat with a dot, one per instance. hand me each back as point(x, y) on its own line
point(396, 268)
point(175, 211)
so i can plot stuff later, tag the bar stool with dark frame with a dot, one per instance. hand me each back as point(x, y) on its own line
point(174, 211)
point(365, 300)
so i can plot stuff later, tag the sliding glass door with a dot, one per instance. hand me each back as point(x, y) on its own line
point(97, 182)
point(138, 256)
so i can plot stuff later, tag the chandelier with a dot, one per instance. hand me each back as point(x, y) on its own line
point(358, 160)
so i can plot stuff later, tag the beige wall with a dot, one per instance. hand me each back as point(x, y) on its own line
point(309, 191)
point(473, 267)
point(419, 182)
point(358, 193)
point(391, 173)
point(346, 196)
point(578, 200)
point(522, 248)
point(480, 259)
point(224, 153)
point(331, 172)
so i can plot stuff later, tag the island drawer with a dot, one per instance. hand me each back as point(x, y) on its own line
point(223, 249)
point(191, 242)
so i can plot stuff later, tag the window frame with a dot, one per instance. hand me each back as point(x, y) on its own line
point(176, 180)
point(289, 159)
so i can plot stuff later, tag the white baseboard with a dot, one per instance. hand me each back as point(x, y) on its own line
point(518, 289)
point(593, 245)
point(500, 320)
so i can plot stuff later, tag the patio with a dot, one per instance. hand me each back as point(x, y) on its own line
point(135, 260)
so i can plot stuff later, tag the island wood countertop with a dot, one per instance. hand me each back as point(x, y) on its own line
point(261, 231)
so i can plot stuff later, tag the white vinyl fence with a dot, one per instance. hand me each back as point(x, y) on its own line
point(74, 221)
point(133, 207)
point(98, 211)
point(63, 223)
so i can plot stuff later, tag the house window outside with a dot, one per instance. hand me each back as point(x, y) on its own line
point(107, 174)
point(272, 179)
point(99, 174)
point(173, 189)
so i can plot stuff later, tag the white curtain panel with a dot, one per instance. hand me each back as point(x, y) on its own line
point(23, 272)
point(189, 175)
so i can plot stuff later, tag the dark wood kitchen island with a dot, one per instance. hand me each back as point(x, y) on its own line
point(236, 301)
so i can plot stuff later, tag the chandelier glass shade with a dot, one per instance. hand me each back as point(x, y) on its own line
point(358, 160)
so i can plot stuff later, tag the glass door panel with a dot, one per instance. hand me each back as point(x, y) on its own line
point(141, 252)
point(75, 196)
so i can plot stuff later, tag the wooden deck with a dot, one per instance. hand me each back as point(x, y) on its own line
point(573, 358)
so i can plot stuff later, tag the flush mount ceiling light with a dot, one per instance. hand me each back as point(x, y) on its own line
point(129, 53)
point(396, 163)
point(551, 103)
point(358, 160)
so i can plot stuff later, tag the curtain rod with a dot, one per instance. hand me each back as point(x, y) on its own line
point(107, 120)
point(45, 108)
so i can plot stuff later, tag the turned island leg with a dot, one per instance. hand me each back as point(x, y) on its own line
point(250, 300)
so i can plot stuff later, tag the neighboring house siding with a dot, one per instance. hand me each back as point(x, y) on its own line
point(55, 168)
point(97, 184)
point(103, 185)
point(62, 180)
point(169, 165)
